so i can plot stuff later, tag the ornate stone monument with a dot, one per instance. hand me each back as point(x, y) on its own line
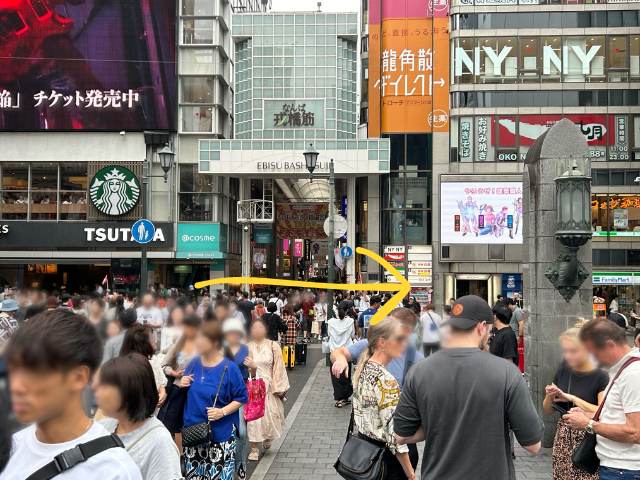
point(557, 250)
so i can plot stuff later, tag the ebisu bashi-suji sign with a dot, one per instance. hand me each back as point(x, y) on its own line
point(114, 190)
point(294, 113)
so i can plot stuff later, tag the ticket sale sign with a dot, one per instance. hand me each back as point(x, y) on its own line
point(481, 212)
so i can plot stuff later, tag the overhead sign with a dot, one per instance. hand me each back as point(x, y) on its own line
point(114, 190)
point(66, 65)
point(616, 278)
point(84, 236)
point(408, 67)
point(292, 113)
point(300, 220)
point(201, 240)
point(340, 226)
point(481, 212)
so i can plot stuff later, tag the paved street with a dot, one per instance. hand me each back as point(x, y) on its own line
point(316, 430)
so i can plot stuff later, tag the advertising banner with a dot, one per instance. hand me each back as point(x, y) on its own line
point(481, 212)
point(301, 220)
point(201, 240)
point(87, 65)
point(408, 66)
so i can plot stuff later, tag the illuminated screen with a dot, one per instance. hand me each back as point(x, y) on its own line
point(87, 65)
point(481, 212)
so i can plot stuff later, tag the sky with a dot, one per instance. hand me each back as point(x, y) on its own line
point(312, 5)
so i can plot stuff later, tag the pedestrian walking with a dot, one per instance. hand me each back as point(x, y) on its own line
point(126, 320)
point(463, 399)
point(215, 393)
point(265, 360)
point(376, 395)
point(274, 323)
point(503, 342)
point(125, 390)
point(51, 359)
point(237, 351)
point(577, 383)
point(172, 331)
point(431, 325)
point(171, 412)
point(341, 334)
point(617, 421)
point(139, 339)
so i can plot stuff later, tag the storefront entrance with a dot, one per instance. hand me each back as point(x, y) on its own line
point(73, 278)
point(473, 287)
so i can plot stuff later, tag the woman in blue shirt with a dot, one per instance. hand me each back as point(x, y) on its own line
point(204, 374)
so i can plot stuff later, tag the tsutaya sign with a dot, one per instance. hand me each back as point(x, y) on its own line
point(550, 58)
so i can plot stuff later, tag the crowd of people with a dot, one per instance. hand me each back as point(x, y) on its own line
point(156, 387)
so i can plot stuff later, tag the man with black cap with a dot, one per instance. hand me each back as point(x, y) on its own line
point(463, 401)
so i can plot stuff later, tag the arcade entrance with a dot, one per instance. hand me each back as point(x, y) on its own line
point(294, 245)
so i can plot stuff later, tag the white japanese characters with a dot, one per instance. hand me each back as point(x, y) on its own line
point(89, 99)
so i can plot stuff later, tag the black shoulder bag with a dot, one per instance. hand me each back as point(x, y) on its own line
point(200, 433)
point(584, 456)
point(360, 459)
point(79, 454)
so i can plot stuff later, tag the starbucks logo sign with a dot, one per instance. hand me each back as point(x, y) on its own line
point(114, 190)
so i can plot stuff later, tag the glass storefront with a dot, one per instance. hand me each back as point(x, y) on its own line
point(43, 191)
point(503, 138)
point(406, 191)
point(546, 59)
point(615, 215)
point(564, 19)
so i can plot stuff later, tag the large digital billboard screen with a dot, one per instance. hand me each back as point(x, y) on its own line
point(87, 65)
point(481, 212)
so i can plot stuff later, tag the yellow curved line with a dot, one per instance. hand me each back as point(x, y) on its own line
point(402, 288)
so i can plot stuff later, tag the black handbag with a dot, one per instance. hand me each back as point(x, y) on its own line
point(200, 433)
point(360, 459)
point(584, 456)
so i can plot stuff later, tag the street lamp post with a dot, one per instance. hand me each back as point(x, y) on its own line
point(166, 156)
point(311, 161)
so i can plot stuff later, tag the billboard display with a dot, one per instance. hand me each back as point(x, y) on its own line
point(301, 220)
point(408, 66)
point(87, 65)
point(481, 212)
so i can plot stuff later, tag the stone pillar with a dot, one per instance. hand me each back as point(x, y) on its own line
point(548, 312)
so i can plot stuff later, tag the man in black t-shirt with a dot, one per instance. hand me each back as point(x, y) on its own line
point(504, 343)
point(246, 306)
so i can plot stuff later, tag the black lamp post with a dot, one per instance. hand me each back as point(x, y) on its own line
point(573, 229)
point(166, 156)
point(311, 160)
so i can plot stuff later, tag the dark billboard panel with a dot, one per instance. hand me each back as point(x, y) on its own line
point(101, 65)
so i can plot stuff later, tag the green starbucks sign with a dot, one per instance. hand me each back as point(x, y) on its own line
point(114, 190)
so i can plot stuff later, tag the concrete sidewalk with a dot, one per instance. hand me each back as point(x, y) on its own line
point(316, 431)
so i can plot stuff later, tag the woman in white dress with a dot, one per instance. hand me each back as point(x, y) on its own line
point(265, 360)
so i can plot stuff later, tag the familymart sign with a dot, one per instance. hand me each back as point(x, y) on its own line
point(616, 278)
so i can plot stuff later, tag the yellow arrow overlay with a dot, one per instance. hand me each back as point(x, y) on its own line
point(402, 288)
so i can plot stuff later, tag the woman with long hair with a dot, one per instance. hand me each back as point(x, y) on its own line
point(139, 339)
point(171, 333)
point(125, 391)
point(265, 359)
point(174, 364)
point(215, 393)
point(341, 333)
point(377, 393)
point(577, 383)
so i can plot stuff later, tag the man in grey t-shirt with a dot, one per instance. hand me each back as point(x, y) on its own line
point(463, 401)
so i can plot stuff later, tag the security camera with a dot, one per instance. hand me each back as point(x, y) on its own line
point(637, 180)
point(123, 133)
point(246, 228)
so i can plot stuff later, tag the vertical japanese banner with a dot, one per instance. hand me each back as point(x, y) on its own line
point(408, 66)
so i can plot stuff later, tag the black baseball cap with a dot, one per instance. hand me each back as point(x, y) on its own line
point(468, 311)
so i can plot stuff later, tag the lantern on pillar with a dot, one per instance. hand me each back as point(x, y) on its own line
point(573, 227)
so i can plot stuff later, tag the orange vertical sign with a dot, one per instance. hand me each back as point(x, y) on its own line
point(409, 76)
